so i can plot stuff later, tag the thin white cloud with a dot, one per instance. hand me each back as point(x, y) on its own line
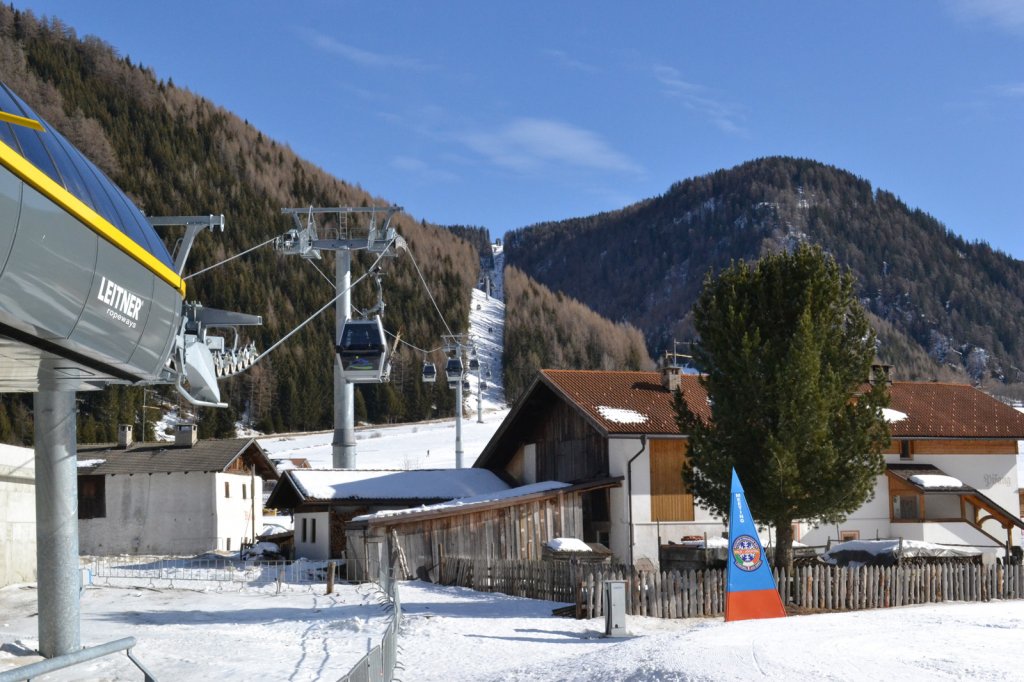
point(422, 169)
point(1006, 14)
point(359, 56)
point(563, 59)
point(697, 98)
point(1009, 90)
point(529, 143)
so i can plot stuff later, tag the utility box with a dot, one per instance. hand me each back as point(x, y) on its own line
point(615, 608)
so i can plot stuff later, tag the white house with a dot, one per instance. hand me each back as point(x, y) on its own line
point(157, 498)
point(17, 515)
point(576, 426)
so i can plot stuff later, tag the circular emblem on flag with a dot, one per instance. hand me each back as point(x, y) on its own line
point(746, 553)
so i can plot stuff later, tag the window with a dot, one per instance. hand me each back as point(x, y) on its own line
point(312, 531)
point(906, 508)
point(848, 535)
point(227, 489)
point(228, 546)
point(304, 529)
point(670, 501)
point(244, 492)
point(906, 449)
point(92, 497)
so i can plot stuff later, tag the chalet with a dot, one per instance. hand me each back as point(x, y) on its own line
point(576, 427)
point(160, 498)
point(322, 501)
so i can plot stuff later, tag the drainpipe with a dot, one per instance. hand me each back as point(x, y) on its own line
point(629, 491)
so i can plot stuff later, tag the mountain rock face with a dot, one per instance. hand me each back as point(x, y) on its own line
point(942, 307)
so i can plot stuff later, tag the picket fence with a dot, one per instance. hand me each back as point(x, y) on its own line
point(694, 594)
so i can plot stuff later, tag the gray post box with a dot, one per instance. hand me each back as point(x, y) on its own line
point(615, 608)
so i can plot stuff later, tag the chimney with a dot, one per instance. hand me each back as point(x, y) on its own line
point(670, 376)
point(185, 435)
point(880, 373)
point(124, 436)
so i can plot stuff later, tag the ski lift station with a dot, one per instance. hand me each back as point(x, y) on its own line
point(89, 296)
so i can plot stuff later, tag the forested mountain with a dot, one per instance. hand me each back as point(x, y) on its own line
point(176, 153)
point(548, 330)
point(943, 307)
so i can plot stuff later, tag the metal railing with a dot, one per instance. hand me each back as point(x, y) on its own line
point(27, 672)
point(380, 663)
point(219, 573)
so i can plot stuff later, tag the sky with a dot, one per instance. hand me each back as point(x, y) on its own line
point(502, 115)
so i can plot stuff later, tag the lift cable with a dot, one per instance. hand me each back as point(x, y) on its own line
point(322, 274)
point(226, 260)
point(415, 348)
point(320, 311)
point(429, 294)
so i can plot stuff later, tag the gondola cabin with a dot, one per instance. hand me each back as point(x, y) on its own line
point(429, 373)
point(474, 364)
point(453, 370)
point(363, 351)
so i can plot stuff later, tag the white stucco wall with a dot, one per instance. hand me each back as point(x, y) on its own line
point(154, 514)
point(309, 548)
point(647, 535)
point(235, 512)
point(995, 476)
point(17, 515)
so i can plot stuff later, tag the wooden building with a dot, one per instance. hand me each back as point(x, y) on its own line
point(323, 501)
point(578, 426)
point(514, 524)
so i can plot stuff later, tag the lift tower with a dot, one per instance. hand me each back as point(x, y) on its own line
point(341, 230)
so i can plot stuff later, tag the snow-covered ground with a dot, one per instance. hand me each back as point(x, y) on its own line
point(454, 634)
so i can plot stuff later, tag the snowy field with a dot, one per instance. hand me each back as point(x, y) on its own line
point(452, 634)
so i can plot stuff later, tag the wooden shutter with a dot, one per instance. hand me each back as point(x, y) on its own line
point(670, 500)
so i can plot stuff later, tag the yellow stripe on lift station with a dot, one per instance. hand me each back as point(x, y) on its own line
point(25, 170)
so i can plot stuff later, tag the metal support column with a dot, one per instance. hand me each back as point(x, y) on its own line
point(59, 577)
point(458, 425)
point(343, 447)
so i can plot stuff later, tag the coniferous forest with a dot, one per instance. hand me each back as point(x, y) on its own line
point(176, 153)
point(942, 307)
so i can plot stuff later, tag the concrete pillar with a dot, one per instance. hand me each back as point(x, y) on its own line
point(57, 523)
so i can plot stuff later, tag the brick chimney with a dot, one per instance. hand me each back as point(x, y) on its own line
point(880, 373)
point(185, 435)
point(124, 436)
point(670, 376)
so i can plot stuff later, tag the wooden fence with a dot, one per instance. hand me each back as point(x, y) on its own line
point(691, 594)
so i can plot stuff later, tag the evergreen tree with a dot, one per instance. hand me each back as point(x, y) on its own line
point(786, 350)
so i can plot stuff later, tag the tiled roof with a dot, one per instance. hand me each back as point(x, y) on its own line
point(151, 458)
point(626, 402)
point(936, 410)
point(636, 402)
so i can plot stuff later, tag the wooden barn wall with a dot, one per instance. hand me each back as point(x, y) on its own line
point(518, 531)
point(569, 449)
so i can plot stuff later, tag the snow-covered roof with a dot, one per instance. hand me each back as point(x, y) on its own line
point(508, 494)
point(936, 481)
point(399, 486)
point(892, 547)
point(568, 545)
point(890, 415)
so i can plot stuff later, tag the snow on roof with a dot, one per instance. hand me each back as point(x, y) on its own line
point(336, 484)
point(568, 545)
point(620, 415)
point(82, 463)
point(909, 548)
point(936, 481)
point(890, 415)
point(510, 493)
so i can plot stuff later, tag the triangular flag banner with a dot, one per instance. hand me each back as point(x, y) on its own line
point(750, 590)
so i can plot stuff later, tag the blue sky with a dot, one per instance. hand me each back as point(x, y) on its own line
point(507, 114)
